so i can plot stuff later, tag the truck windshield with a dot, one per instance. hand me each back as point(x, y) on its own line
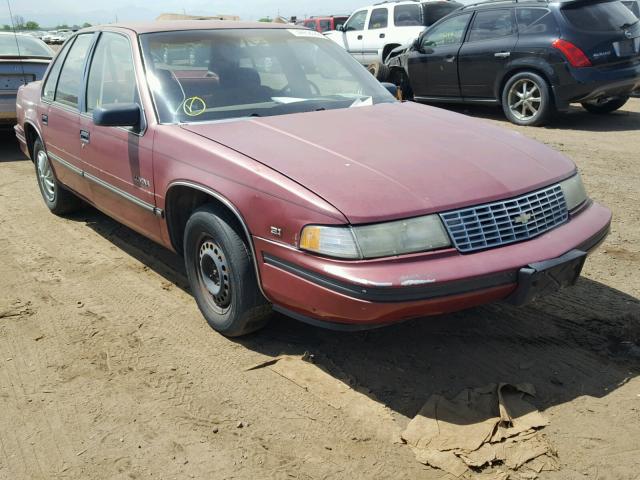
point(203, 75)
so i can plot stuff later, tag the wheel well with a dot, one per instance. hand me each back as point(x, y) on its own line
point(31, 136)
point(182, 201)
point(387, 49)
point(511, 73)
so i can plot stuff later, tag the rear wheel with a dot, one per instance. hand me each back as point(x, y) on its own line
point(526, 99)
point(222, 275)
point(59, 200)
point(606, 105)
point(401, 80)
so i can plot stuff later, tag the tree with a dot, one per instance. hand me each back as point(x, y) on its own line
point(6, 27)
point(86, 25)
point(18, 22)
point(31, 25)
point(265, 19)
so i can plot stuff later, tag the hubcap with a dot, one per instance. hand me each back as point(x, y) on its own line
point(214, 272)
point(45, 176)
point(524, 99)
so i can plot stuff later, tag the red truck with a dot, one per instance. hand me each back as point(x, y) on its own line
point(325, 24)
point(311, 191)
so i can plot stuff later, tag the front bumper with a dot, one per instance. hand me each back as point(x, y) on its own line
point(363, 294)
point(592, 83)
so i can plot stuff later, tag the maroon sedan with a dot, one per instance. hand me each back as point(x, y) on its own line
point(291, 180)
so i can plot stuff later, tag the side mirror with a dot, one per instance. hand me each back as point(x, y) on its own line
point(391, 88)
point(117, 115)
point(417, 45)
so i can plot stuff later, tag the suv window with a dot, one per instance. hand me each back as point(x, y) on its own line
point(325, 25)
point(356, 22)
point(491, 24)
point(437, 10)
point(49, 90)
point(111, 77)
point(310, 24)
point(449, 32)
point(407, 16)
point(70, 82)
point(535, 20)
point(599, 17)
point(379, 18)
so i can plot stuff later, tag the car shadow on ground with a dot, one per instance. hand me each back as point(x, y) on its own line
point(583, 341)
point(9, 149)
point(576, 118)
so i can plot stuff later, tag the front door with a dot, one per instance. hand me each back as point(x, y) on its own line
point(119, 160)
point(60, 119)
point(486, 52)
point(433, 68)
point(353, 34)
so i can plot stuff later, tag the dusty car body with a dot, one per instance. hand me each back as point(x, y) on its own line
point(270, 199)
point(23, 59)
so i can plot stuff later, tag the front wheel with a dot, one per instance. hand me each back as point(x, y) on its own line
point(606, 105)
point(222, 275)
point(526, 99)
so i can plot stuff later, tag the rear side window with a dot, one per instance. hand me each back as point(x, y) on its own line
point(70, 82)
point(379, 18)
point(49, 90)
point(407, 16)
point(535, 21)
point(599, 17)
point(435, 11)
point(111, 77)
point(491, 24)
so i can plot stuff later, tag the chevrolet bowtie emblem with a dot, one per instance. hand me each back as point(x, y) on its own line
point(523, 218)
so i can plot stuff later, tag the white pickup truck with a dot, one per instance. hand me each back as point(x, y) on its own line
point(372, 32)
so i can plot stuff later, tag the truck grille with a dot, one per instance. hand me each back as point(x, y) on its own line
point(500, 223)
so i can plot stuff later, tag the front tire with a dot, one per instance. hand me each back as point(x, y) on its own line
point(58, 199)
point(380, 71)
point(222, 275)
point(527, 100)
point(605, 106)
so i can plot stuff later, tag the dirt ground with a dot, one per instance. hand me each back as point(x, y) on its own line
point(107, 370)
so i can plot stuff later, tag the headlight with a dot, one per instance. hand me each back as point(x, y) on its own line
point(574, 191)
point(379, 240)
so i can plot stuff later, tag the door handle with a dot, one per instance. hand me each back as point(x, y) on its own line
point(45, 119)
point(449, 58)
point(84, 137)
point(359, 37)
point(382, 35)
point(502, 54)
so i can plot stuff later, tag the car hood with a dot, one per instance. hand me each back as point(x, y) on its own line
point(393, 160)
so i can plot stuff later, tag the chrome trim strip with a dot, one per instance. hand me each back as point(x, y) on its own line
point(126, 195)
point(227, 203)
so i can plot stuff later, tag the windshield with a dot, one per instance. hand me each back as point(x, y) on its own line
point(29, 47)
point(203, 75)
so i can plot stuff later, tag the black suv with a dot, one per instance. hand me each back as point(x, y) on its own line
point(531, 57)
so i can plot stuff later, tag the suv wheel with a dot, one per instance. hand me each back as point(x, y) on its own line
point(605, 105)
point(379, 70)
point(222, 275)
point(526, 99)
point(59, 200)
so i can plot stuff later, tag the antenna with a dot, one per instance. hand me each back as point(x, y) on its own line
point(15, 36)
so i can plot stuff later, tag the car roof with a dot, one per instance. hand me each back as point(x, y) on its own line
point(180, 25)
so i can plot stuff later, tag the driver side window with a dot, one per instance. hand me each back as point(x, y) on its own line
point(356, 22)
point(449, 32)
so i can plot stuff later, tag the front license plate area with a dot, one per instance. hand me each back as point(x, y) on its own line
point(542, 278)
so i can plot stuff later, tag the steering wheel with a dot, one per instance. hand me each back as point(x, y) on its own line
point(286, 90)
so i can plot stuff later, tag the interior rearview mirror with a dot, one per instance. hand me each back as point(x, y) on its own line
point(117, 115)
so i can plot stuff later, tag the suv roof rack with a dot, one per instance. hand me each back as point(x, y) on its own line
point(494, 2)
point(395, 1)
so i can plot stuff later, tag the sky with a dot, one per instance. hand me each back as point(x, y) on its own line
point(54, 12)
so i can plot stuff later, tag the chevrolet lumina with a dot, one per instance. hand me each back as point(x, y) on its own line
point(290, 179)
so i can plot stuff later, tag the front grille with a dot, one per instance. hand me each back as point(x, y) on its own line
point(500, 223)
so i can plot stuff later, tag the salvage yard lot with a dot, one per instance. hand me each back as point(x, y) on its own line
point(107, 369)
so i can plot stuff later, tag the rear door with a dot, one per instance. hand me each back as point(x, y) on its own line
point(433, 70)
point(62, 96)
point(119, 160)
point(486, 52)
point(607, 32)
point(353, 34)
point(375, 34)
